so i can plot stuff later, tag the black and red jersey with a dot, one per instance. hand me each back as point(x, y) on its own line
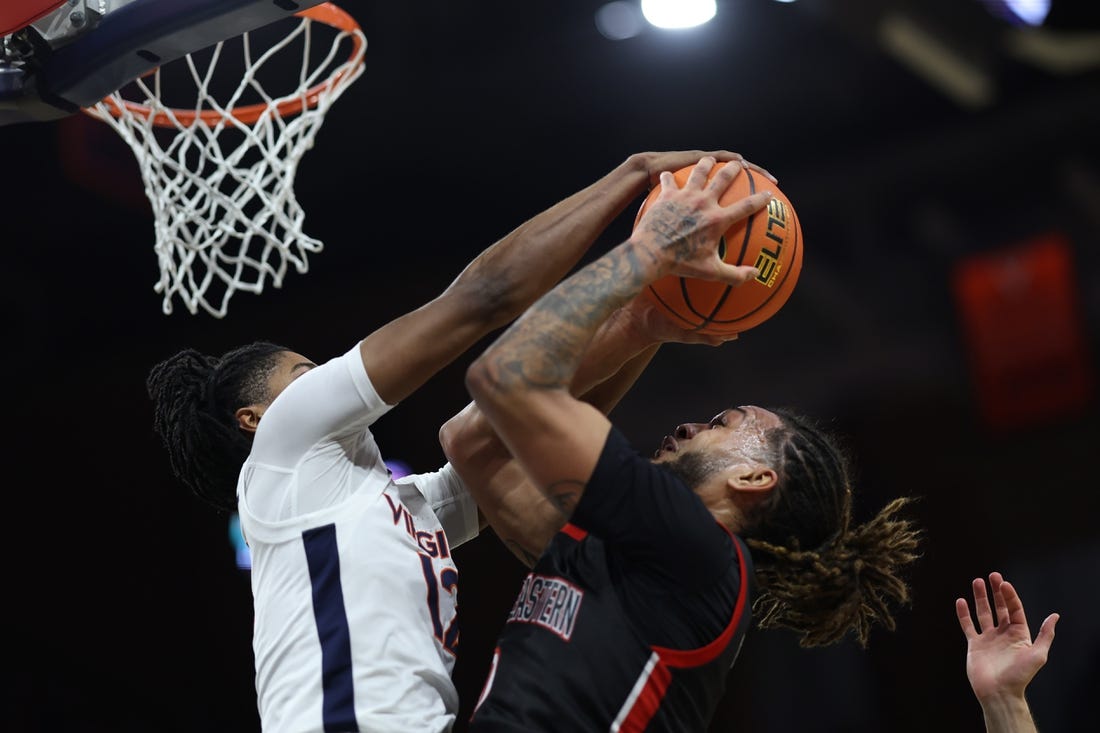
point(632, 618)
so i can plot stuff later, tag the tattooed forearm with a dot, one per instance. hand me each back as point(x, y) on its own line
point(543, 348)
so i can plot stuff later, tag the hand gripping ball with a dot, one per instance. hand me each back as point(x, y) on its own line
point(770, 239)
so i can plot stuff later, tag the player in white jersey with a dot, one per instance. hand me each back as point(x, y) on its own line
point(354, 587)
point(338, 545)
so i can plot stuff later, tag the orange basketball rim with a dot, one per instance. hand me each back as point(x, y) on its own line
point(326, 13)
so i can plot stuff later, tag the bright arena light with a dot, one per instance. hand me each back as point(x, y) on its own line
point(619, 20)
point(1030, 12)
point(678, 13)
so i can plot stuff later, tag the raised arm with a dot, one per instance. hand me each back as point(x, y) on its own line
point(508, 276)
point(521, 516)
point(522, 381)
point(1001, 658)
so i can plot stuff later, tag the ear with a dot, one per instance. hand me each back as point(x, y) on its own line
point(752, 479)
point(248, 418)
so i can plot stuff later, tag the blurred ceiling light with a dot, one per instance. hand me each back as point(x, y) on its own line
point(678, 13)
point(939, 63)
point(619, 20)
point(1025, 12)
point(1058, 53)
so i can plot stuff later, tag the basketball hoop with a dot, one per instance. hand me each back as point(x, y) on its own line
point(220, 174)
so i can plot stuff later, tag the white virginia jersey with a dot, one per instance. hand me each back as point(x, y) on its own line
point(353, 582)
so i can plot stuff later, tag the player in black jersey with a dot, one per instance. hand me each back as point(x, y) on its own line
point(635, 611)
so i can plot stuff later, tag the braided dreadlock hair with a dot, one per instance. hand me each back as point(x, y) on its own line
point(817, 574)
point(195, 399)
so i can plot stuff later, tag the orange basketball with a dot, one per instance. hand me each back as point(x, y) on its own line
point(770, 239)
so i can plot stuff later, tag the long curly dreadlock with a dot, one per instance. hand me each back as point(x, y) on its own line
point(817, 575)
point(195, 399)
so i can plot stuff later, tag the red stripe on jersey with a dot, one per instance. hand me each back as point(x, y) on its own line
point(488, 682)
point(642, 703)
point(702, 655)
point(574, 531)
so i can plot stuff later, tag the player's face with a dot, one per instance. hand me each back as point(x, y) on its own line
point(738, 430)
point(291, 365)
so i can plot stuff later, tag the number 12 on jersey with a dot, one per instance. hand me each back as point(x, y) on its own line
point(448, 581)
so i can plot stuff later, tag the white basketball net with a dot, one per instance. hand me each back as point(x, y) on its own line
point(222, 191)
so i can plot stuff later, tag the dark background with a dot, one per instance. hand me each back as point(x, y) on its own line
point(126, 610)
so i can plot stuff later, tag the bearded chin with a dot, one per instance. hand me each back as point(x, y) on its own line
point(692, 468)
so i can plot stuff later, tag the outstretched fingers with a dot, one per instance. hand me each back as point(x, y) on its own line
point(724, 177)
point(1005, 613)
point(1046, 633)
point(962, 610)
point(1009, 605)
point(725, 156)
point(736, 274)
point(981, 605)
point(746, 207)
point(692, 218)
point(738, 210)
point(697, 179)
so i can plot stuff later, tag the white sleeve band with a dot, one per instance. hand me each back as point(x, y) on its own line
point(451, 502)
